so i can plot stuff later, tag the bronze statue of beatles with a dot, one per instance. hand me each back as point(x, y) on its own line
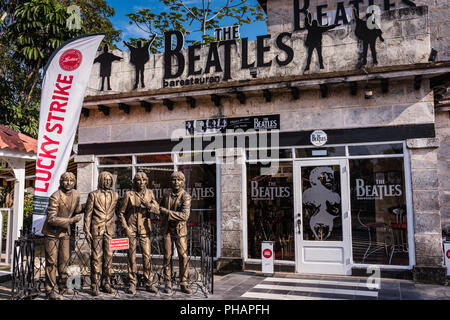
point(99, 228)
point(63, 209)
point(175, 208)
point(134, 215)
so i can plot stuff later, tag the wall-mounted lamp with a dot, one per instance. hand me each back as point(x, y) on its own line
point(368, 92)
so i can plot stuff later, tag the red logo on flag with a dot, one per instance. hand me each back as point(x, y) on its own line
point(70, 60)
point(267, 253)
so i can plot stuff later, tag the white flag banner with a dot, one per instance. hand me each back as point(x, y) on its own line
point(66, 76)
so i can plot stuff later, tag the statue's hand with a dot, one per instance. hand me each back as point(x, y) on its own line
point(154, 207)
point(75, 219)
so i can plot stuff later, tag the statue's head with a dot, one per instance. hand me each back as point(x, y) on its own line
point(105, 180)
point(105, 48)
point(140, 181)
point(314, 23)
point(139, 44)
point(67, 181)
point(177, 180)
point(322, 175)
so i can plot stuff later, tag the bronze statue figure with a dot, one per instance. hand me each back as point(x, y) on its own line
point(175, 208)
point(134, 214)
point(99, 228)
point(63, 207)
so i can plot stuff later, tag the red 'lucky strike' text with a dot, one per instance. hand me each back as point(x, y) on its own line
point(52, 132)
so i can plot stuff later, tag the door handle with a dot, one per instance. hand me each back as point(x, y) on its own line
point(299, 225)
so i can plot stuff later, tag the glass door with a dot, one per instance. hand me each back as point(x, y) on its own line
point(322, 217)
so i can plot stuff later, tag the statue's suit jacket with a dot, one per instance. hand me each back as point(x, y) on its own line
point(133, 215)
point(99, 215)
point(61, 208)
point(177, 213)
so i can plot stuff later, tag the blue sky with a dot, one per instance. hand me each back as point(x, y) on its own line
point(121, 21)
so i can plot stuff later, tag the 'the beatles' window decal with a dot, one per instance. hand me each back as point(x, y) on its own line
point(321, 203)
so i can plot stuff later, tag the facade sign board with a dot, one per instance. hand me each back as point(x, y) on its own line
point(319, 138)
point(221, 125)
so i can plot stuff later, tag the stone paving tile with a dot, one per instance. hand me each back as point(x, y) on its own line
point(232, 286)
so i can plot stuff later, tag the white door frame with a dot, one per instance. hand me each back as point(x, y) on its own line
point(341, 250)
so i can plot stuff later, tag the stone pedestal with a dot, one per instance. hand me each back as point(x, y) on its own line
point(429, 266)
point(231, 169)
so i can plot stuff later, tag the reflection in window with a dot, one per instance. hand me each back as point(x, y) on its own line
point(158, 179)
point(268, 154)
point(321, 203)
point(201, 185)
point(379, 224)
point(115, 160)
point(270, 204)
point(154, 158)
point(393, 148)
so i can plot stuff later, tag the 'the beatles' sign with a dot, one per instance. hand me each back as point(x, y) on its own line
point(221, 125)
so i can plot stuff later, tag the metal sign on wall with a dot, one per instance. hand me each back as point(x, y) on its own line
point(222, 125)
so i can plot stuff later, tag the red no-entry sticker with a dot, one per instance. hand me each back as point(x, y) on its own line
point(119, 244)
point(267, 253)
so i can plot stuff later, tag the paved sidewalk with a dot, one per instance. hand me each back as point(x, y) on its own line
point(288, 286)
point(282, 286)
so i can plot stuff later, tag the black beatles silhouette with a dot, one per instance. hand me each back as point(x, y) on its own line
point(106, 59)
point(314, 38)
point(139, 56)
point(368, 36)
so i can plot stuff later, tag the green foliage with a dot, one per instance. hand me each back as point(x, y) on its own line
point(156, 24)
point(196, 23)
point(30, 31)
point(28, 211)
point(39, 28)
point(95, 15)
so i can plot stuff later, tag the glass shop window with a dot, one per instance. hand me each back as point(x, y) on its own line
point(255, 154)
point(270, 210)
point(201, 185)
point(207, 157)
point(115, 160)
point(379, 219)
point(122, 179)
point(154, 158)
point(322, 205)
point(367, 150)
point(320, 152)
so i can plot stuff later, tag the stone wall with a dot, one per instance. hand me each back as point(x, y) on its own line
point(443, 166)
point(405, 31)
point(231, 208)
point(427, 217)
point(400, 106)
point(280, 18)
